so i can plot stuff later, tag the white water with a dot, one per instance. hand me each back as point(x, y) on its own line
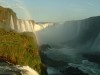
point(37, 27)
point(19, 28)
point(88, 67)
point(22, 25)
point(26, 70)
point(27, 25)
point(12, 23)
point(17, 70)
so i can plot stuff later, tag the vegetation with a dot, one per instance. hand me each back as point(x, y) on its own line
point(19, 49)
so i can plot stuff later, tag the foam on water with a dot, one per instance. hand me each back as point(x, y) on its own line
point(17, 70)
point(26, 70)
point(88, 67)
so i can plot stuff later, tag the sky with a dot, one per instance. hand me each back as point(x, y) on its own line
point(53, 10)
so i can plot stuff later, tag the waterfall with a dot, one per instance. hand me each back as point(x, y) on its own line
point(26, 70)
point(7, 68)
point(22, 25)
point(18, 25)
point(78, 28)
point(32, 27)
point(17, 70)
point(27, 25)
point(12, 23)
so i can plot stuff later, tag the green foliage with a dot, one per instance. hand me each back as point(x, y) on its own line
point(19, 49)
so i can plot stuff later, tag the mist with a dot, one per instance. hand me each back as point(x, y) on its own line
point(72, 39)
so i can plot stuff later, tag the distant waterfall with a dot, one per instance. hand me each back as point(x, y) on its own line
point(19, 26)
point(78, 28)
point(32, 26)
point(23, 26)
point(12, 23)
point(27, 25)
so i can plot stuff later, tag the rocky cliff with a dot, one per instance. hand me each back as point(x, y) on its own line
point(5, 17)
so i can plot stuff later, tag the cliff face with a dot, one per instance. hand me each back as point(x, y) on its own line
point(5, 17)
point(18, 48)
point(84, 31)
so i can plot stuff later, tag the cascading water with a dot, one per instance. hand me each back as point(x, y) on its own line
point(19, 28)
point(27, 25)
point(78, 28)
point(12, 23)
point(32, 27)
point(26, 70)
point(22, 25)
point(10, 69)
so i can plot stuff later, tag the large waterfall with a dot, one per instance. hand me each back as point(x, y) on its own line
point(22, 25)
point(27, 25)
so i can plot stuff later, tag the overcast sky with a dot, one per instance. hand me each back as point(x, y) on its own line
point(53, 10)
